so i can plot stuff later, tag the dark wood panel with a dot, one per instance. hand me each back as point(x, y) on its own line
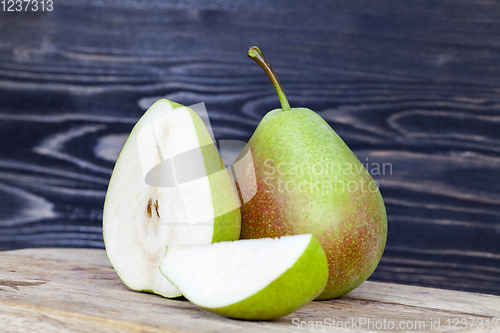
point(415, 84)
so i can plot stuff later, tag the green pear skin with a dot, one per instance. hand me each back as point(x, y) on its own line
point(226, 221)
point(302, 172)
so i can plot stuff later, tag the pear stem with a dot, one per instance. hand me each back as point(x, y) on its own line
point(256, 55)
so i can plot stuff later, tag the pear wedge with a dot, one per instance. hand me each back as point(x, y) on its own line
point(257, 279)
point(169, 186)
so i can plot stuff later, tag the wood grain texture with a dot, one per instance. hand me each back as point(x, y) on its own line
point(49, 290)
point(415, 84)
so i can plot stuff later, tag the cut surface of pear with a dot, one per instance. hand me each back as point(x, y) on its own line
point(169, 186)
point(255, 279)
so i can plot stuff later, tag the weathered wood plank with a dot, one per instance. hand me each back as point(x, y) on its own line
point(49, 289)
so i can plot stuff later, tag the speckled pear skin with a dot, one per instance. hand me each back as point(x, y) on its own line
point(350, 223)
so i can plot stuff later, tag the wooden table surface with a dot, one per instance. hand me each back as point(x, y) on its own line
point(76, 290)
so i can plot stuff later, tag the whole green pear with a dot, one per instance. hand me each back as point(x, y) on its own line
point(302, 178)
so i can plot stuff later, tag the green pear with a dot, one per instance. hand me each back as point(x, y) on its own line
point(169, 186)
point(255, 279)
point(305, 179)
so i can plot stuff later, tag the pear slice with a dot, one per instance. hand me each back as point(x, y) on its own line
point(256, 279)
point(169, 186)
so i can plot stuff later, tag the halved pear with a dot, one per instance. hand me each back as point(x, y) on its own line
point(256, 279)
point(169, 186)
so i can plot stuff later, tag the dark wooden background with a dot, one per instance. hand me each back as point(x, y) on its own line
point(411, 83)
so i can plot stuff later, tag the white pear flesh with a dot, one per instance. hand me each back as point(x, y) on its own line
point(141, 219)
point(256, 279)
